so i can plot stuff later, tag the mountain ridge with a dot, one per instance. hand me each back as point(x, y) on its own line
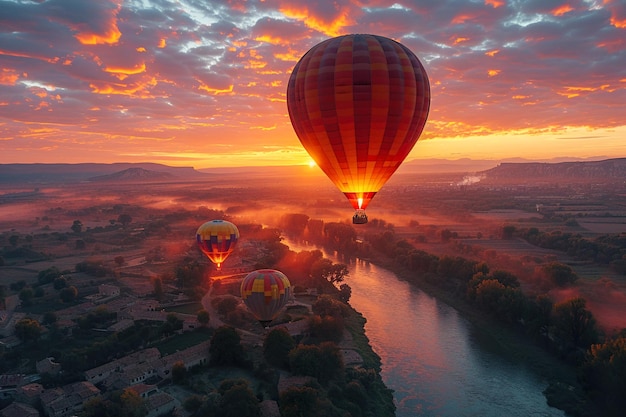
point(611, 168)
point(591, 170)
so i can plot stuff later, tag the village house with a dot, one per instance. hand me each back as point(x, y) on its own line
point(100, 373)
point(48, 366)
point(17, 409)
point(9, 383)
point(156, 401)
point(139, 367)
point(29, 393)
point(68, 400)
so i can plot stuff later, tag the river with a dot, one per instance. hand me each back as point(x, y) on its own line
point(435, 360)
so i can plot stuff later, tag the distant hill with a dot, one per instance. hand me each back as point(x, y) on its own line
point(53, 173)
point(609, 169)
point(134, 174)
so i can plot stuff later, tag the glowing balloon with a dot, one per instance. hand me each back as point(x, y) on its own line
point(358, 104)
point(217, 239)
point(265, 292)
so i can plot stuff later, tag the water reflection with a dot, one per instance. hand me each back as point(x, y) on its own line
point(437, 363)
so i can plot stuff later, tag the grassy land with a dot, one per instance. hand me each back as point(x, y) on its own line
point(184, 341)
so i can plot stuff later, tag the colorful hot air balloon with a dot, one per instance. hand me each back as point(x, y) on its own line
point(358, 104)
point(217, 239)
point(265, 292)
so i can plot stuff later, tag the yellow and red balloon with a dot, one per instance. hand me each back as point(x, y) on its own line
point(217, 239)
point(358, 103)
point(265, 292)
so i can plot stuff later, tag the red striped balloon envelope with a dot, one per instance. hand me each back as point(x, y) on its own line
point(358, 104)
point(265, 292)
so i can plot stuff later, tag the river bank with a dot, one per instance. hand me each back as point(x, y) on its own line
point(563, 392)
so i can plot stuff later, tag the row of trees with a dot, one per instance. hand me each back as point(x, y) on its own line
point(608, 249)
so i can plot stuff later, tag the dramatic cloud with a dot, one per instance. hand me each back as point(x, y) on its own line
point(203, 83)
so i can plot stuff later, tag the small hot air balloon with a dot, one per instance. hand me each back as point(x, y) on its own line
point(265, 292)
point(358, 103)
point(217, 239)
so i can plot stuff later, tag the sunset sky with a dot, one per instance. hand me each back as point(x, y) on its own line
point(202, 82)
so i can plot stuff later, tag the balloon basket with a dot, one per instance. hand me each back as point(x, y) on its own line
point(359, 217)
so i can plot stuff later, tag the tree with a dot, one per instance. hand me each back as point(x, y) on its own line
point(172, 323)
point(68, 294)
point(345, 292)
point(179, 372)
point(226, 347)
point(340, 236)
point(300, 402)
point(158, 288)
point(508, 231)
point(323, 362)
point(13, 239)
point(560, 274)
point(48, 275)
point(203, 317)
point(276, 347)
point(326, 305)
point(77, 226)
point(573, 325)
point(327, 328)
point(324, 270)
point(124, 219)
point(59, 283)
point(604, 375)
point(28, 329)
point(294, 223)
point(26, 296)
point(505, 278)
point(238, 400)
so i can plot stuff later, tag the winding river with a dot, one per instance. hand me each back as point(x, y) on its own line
point(436, 361)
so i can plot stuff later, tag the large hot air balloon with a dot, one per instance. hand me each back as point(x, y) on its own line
point(265, 292)
point(217, 239)
point(358, 104)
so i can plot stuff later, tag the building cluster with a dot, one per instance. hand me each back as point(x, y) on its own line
point(138, 371)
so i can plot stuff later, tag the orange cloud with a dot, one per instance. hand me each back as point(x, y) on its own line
point(137, 69)
point(216, 91)
point(493, 72)
point(162, 43)
point(561, 10)
point(460, 19)
point(274, 40)
point(460, 39)
point(494, 3)
point(8, 76)
point(613, 45)
point(492, 53)
point(571, 92)
point(306, 16)
point(137, 90)
point(110, 36)
point(618, 23)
